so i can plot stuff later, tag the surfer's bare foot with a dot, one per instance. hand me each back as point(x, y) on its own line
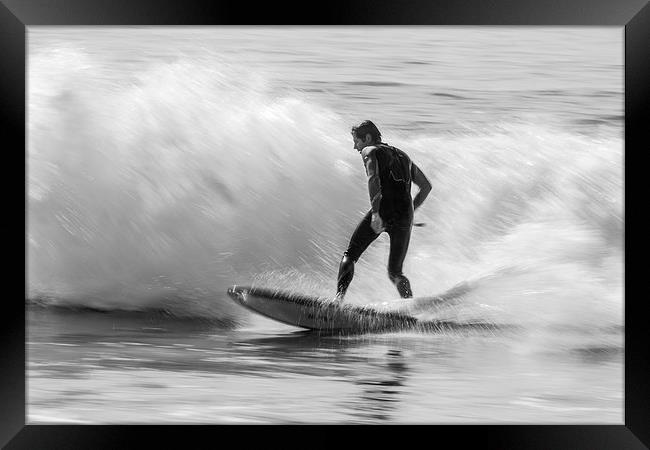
point(338, 298)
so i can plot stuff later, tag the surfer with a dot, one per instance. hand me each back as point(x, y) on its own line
point(390, 172)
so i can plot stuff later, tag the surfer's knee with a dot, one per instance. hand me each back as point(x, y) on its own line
point(346, 265)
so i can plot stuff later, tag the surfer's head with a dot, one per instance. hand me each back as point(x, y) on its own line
point(365, 134)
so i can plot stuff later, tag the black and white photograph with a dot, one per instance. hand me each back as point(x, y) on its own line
point(324, 225)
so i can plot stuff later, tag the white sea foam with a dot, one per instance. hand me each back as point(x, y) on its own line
point(160, 189)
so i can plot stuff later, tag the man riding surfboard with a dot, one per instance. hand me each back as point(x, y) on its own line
point(390, 173)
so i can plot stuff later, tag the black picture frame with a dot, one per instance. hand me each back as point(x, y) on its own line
point(16, 15)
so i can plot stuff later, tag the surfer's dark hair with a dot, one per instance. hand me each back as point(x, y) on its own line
point(367, 127)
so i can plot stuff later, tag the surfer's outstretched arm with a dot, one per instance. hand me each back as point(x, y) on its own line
point(418, 177)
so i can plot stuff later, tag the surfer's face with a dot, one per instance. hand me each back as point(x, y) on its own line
point(360, 144)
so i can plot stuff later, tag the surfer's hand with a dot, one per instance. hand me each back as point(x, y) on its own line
point(376, 223)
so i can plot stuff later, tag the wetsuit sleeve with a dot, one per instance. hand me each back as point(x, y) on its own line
point(418, 177)
point(372, 170)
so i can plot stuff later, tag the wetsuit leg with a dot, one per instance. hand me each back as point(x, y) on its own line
point(362, 237)
point(400, 236)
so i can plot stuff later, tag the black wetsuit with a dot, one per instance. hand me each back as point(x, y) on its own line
point(396, 211)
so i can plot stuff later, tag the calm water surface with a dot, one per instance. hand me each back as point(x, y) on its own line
point(112, 368)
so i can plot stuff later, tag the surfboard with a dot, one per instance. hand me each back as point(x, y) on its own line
point(318, 313)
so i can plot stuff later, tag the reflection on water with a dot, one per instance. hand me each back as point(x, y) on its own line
point(379, 381)
point(381, 393)
point(111, 368)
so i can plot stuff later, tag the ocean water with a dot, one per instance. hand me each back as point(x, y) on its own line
point(167, 163)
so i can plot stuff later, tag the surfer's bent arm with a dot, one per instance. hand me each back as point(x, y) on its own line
point(374, 184)
point(423, 185)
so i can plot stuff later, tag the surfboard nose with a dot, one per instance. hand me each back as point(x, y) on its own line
point(237, 293)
